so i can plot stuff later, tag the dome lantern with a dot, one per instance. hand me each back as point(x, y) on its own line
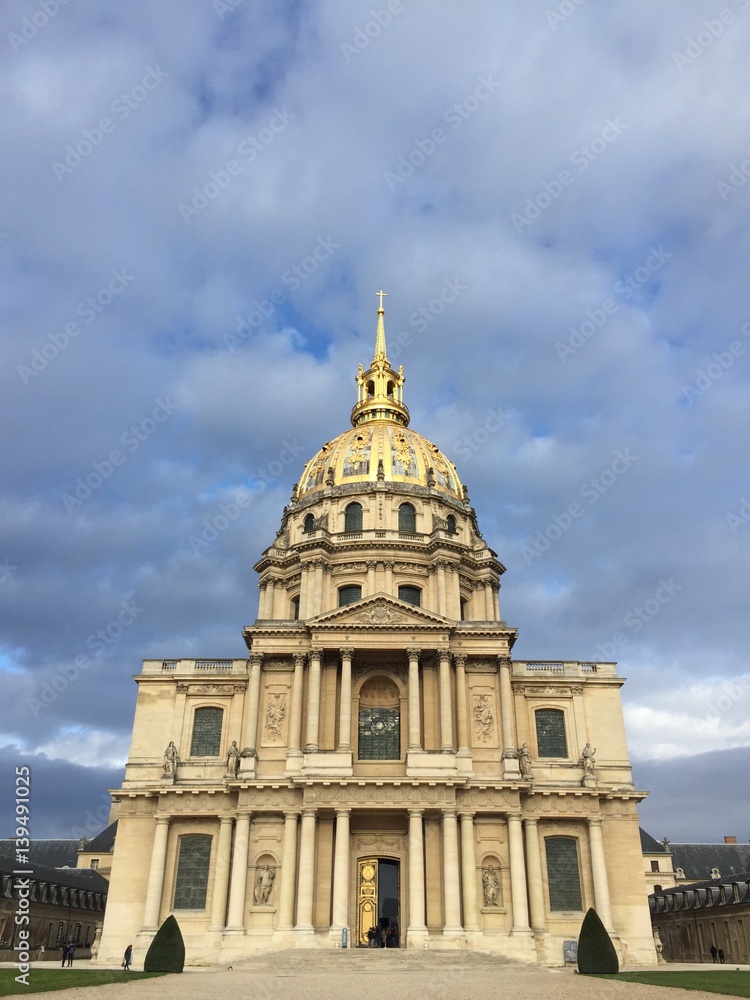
point(380, 389)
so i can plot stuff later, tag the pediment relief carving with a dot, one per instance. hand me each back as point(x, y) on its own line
point(380, 610)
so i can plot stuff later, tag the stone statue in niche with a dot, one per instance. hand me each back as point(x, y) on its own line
point(524, 760)
point(275, 715)
point(588, 759)
point(233, 760)
point(490, 886)
point(171, 759)
point(483, 718)
point(263, 885)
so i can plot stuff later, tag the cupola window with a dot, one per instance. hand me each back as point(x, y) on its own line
point(353, 517)
point(407, 518)
point(412, 595)
point(350, 594)
point(451, 524)
point(309, 523)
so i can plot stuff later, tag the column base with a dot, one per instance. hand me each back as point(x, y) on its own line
point(234, 931)
point(416, 937)
point(246, 768)
point(522, 932)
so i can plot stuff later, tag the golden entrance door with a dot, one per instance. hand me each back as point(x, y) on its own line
point(367, 898)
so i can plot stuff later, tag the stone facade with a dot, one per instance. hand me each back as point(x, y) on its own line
point(379, 758)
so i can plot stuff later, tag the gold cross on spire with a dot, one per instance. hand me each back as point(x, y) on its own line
point(381, 293)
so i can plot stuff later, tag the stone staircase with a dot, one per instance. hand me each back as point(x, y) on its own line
point(369, 960)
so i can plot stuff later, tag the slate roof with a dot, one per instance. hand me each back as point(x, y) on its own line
point(103, 842)
point(76, 878)
point(649, 845)
point(697, 860)
point(52, 853)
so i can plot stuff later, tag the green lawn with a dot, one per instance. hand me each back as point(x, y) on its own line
point(735, 984)
point(43, 980)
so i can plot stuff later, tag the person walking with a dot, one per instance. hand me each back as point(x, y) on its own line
point(714, 952)
point(721, 956)
point(127, 958)
point(71, 953)
point(64, 956)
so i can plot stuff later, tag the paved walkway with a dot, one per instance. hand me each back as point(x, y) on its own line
point(337, 975)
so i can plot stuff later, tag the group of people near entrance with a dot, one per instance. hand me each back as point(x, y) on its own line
point(382, 937)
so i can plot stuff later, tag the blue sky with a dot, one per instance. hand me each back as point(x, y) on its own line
point(200, 201)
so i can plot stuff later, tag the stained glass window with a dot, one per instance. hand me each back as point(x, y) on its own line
point(191, 883)
point(379, 734)
point(207, 724)
point(353, 517)
point(407, 518)
point(550, 732)
point(412, 595)
point(348, 595)
point(562, 873)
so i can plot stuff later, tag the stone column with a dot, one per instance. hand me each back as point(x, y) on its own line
point(262, 600)
point(317, 601)
point(599, 872)
point(469, 872)
point(462, 707)
point(221, 874)
point(305, 592)
point(496, 602)
point(415, 739)
point(389, 578)
point(345, 707)
point(253, 703)
point(371, 568)
point(295, 718)
point(446, 715)
point(489, 604)
point(441, 588)
point(517, 876)
point(507, 714)
point(306, 876)
point(288, 872)
point(534, 871)
point(417, 929)
point(450, 873)
point(456, 611)
point(341, 874)
point(238, 884)
point(313, 702)
point(156, 874)
point(270, 597)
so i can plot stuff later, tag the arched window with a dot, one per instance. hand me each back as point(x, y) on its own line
point(412, 595)
point(464, 608)
point(550, 732)
point(563, 875)
point(451, 529)
point(389, 390)
point(353, 517)
point(407, 518)
point(295, 607)
point(207, 723)
point(350, 594)
point(309, 524)
point(191, 882)
point(370, 388)
point(379, 721)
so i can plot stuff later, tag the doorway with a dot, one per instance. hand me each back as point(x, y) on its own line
point(378, 917)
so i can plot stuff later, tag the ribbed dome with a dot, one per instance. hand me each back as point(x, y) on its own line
point(356, 456)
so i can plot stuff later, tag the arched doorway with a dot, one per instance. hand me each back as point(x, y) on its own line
point(378, 892)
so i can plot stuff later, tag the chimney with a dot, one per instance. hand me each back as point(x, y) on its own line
point(730, 840)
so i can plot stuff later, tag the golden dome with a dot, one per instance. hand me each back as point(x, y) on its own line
point(380, 446)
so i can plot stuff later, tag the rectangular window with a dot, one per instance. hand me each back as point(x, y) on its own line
point(654, 866)
point(562, 873)
point(550, 732)
point(191, 883)
point(207, 724)
point(348, 595)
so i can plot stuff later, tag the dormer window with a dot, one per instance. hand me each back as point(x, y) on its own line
point(353, 517)
point(407, 518)
point(451, 526)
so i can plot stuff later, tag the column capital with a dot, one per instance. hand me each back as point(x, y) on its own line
point(299, 659)
point(449, 811)
point(372, 564)
point(343, 811)
point(309, 811)
point(255, 659)
point(291, 814)
point(594, 820)
point(466, 813)
point(226, 819)
point(460, 659)
point(444, 654)
point(316, 654)
point(503, 660)
point(413, 652)
point(389, 564)
point(262, 585)
point(244, 813)
point(346, 651)
point(161, 818)
point(514, 816)
point(531, 821)
point(416, 812)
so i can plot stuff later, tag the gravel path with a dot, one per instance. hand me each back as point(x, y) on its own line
point(342, 976)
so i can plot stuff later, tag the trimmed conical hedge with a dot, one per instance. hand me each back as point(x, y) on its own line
point(167, 951)
point(596, 953)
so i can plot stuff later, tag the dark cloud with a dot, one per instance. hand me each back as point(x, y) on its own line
point(199, 206)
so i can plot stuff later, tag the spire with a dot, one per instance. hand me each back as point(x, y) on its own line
point(380, 388)
point(380, 351)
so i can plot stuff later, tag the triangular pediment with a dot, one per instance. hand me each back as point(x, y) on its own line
point(380, 610)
